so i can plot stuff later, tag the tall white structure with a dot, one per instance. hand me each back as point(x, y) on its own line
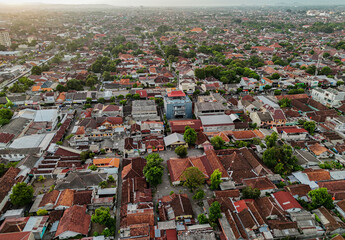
point(5, 39)
point(329, 97)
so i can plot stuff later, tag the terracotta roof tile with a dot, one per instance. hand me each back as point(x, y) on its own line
point(75, 220)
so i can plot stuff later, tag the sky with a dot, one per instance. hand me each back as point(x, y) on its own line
point(183, 2)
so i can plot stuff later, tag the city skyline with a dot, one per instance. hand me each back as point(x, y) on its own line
point(180, 2)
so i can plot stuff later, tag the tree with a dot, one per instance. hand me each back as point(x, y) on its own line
point(41, 212)
point(216, 179)
point(280, 159)
point(103, 217)
point(123, 102)
point(106, 76)
point(181, 151)
point(74, 84)
point(190, 135)
point(5, 116)
point(61, 88)
point(101, 100)
point(325, 71)
point(309, 126)
point(284, 102)
point(200, 194)
point(271, 140)
point(250, 193)
point(103, 184)
point(217, 142)
point(275, 76)
point(21, 194)
point(36, 70)
point(202, 219)
point(153, 171)
point(111, 178)
point(136, 96)
point(193, 178)
point(215, 212)
point(277, 92)
point(320, 197)
point(92, 167)
point(91, 80)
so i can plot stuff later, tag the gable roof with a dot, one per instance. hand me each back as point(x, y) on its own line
point(286, 201)
point(107, 162)
point(133, 168)
point(7, 181)
point(75, 220)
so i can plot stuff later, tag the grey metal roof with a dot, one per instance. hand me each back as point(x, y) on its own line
point(216, 119)
point(173, 138)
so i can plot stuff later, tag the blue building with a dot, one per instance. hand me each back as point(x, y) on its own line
point(177, 105)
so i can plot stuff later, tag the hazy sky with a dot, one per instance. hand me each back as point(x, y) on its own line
point(183, 2)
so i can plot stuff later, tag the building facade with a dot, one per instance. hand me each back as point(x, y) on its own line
point(178, 105)
point(329, 97)
point(5, 39)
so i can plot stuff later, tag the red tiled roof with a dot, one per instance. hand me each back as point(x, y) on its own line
point(7, 181)
point(66, 198)
point(179, 125)
point(75, 220)
point(6, 137)
point(240, 206)
point(142, 93)
point(286, 200)
point(262, 183)
point(16, 236)
point(317, 175)
point(295, 130)
point(176, 94)
point(111, 108)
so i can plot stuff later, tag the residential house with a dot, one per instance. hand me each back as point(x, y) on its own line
point(261, 183)
point(75, 221)
point(331, 223)
point(262, 119)
point(173, 140)
point(106, 162)
point(295, 134)
point(175, 207)
point(287, 202)
point(7, 181)
point(179, 126)
point(320, 151)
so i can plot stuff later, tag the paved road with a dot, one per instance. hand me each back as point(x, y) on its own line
point(8, 83)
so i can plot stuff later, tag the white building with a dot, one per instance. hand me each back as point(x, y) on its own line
point(329, 97)
point(5, 39)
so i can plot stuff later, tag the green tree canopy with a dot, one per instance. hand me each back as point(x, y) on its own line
point(215, 212)
point(216, 179)
point(193, 178)
point(36, 70)
point(202, 219)
point(181, 151)
point(320, 197)
point(271, 140)
point(250, 193)
point(153, 171)
point(21, 194)
point(309, 126)
point(284, 102)
point(217, 142)
point(190, 135)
